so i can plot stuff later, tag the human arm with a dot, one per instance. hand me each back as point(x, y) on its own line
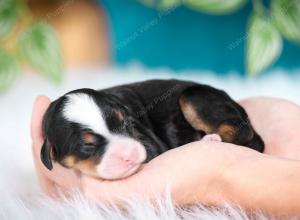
point(206, 172)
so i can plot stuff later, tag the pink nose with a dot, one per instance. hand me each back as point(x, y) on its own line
point(130, 157)
point(122, 158)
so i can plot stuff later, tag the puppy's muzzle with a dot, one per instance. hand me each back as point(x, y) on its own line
point(123, 158)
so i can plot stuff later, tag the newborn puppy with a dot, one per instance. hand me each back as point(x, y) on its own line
point(111, 132)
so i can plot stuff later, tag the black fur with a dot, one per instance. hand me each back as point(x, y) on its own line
point(152, 115)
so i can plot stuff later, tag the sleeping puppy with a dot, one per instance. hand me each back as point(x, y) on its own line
point(109, 133)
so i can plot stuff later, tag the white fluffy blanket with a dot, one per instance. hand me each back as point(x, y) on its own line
point(20, 196)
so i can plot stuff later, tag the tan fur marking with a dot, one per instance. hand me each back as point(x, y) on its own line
point(85, 166)
point(227, 132)
point(192, 117)
point(69, 161)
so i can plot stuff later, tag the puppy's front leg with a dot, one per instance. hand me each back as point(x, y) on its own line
point(212, 137)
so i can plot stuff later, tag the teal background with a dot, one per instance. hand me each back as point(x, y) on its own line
point(183, 39)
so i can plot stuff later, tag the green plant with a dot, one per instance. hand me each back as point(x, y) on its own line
point(266, 26)
point(24, 41)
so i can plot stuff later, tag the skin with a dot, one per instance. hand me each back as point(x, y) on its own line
point(208, 172)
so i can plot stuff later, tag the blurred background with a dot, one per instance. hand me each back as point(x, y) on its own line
point(248, 48)
point(248, 37)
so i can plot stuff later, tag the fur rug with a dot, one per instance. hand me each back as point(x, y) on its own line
point(20, 196)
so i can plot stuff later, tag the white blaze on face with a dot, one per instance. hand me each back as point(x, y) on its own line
point(82, 109)
point(123, 155)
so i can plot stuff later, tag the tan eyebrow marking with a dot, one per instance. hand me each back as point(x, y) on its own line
point(89, 138)
point(120, 115)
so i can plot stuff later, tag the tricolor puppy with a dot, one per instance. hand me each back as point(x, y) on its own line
point(111, 132)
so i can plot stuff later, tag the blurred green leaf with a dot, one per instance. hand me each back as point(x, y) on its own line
point(286, 16)
point(215, 6)
point(39, 46)
point(161, 4)
point(164, 4)
point(9, 12)
point(8, 70)
point(263, 45)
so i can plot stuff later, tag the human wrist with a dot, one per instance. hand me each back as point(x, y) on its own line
point(260, 177)
point(229, 175)
point(207, 180)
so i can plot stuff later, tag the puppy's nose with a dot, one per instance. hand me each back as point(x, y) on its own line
point(130, 156)
point(122, 158)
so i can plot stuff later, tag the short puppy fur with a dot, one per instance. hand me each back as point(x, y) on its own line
point(109, 133)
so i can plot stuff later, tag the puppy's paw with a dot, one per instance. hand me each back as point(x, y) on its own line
point(212, 137)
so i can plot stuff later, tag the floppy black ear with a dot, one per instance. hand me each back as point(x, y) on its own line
point(46, 155)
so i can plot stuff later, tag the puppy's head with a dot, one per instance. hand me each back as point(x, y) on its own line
point(92, 132)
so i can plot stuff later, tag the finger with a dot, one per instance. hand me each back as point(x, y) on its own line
point(118, 191)
point(64, 177)
point(59, 176)
point(47, 185)
point(40, 107)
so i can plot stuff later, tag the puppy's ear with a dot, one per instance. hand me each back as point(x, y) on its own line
point(46, 154)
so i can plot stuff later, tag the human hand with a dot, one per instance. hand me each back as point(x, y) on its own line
point(190, 171)
point(277, 121)
point(65, 179)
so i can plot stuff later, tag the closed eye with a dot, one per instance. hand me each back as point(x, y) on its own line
point(86, 151)
point(92, 145)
